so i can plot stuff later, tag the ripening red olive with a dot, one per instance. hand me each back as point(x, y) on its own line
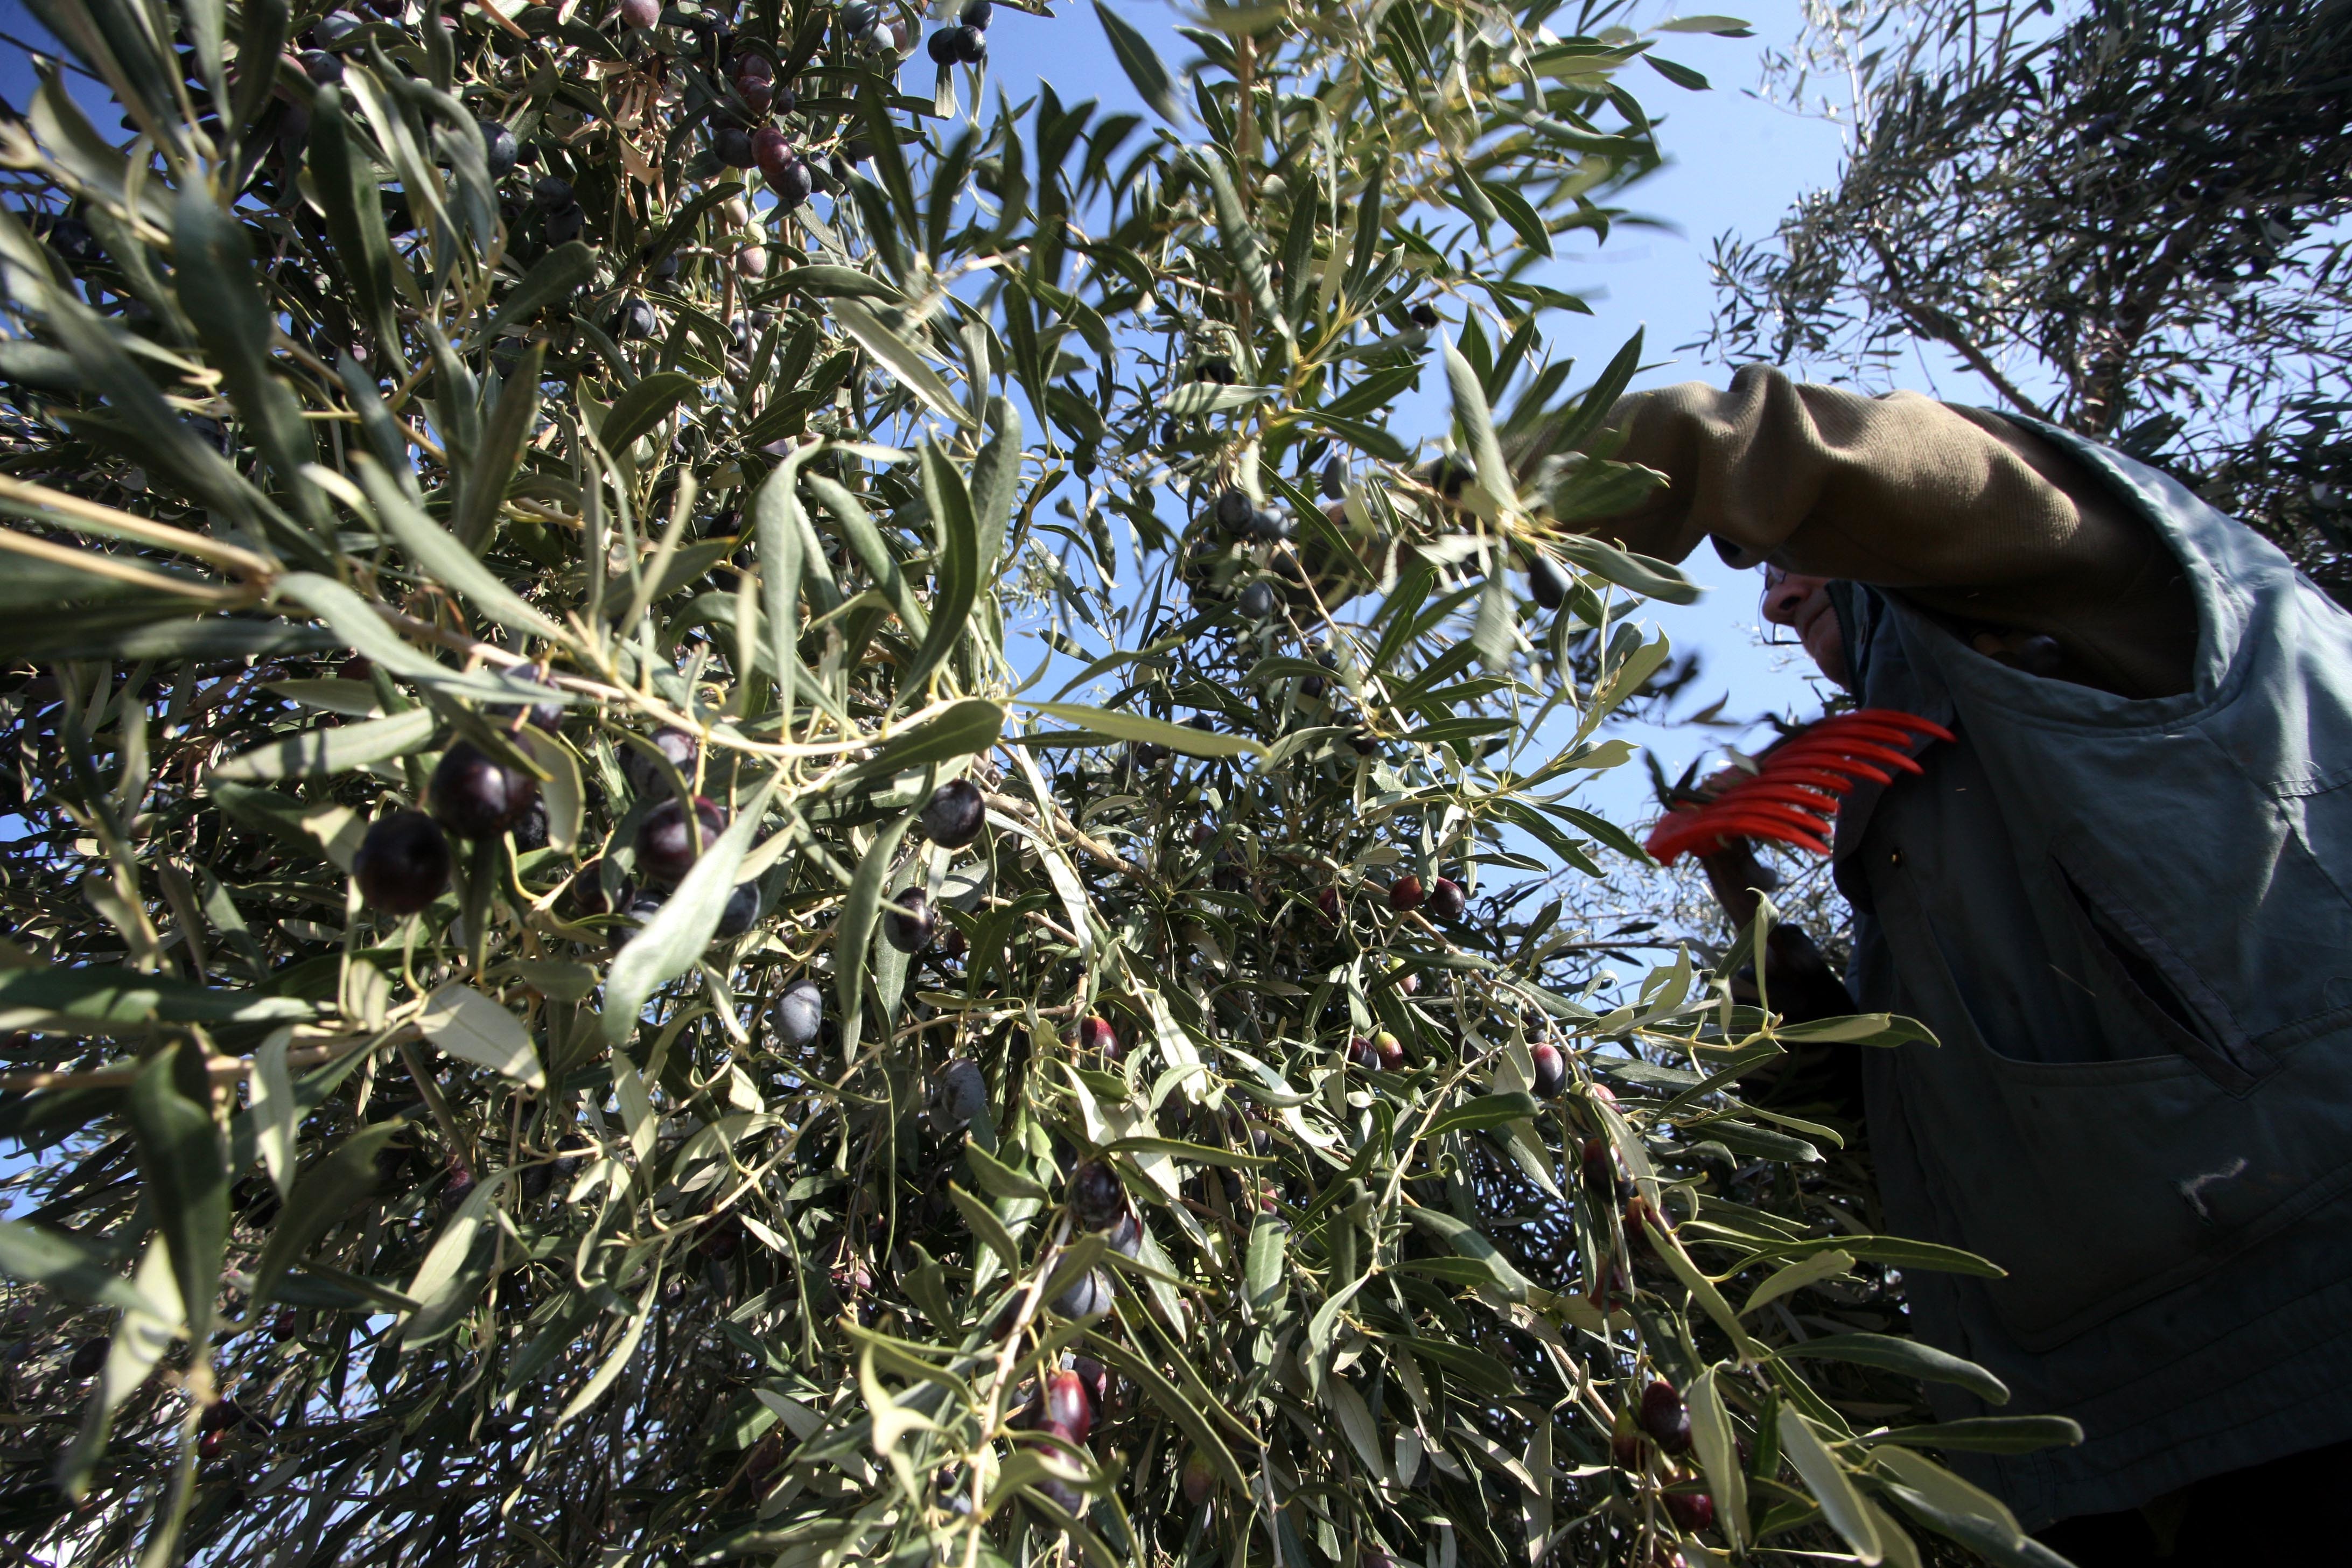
point(1068, 1408)
point(1445, 898)
point(1095, 1034)
point(1327, 900)
point(640, 13)
point(403, 864)
point(1627, 1447)
point(1199, 1477)
point(1391, 1050)
point(1551, 1070)
point(952, 816)
point(1362, 1052)
point(908, 921)
point(1692, 1511)
point(1097, 1197)
point(474, 795)
point(771, 149)
point(1406, 893)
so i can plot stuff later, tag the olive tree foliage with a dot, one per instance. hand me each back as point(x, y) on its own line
point(2123, 216)
point(838, 1098)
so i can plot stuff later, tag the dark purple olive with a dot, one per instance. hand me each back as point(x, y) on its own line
point(1547, 582)
point(458, 1189)
point(1423, 315)
point(908, 921)
point(954, 815)
point(1273, 526)
point(1665, 1417)
point(966, 45)
point(531, 833)
point(1216, 369)
point(1362, 1052)
point(1406, 893)
point(757, 94)
point(791, 184)
point(1097, 1197)
point(640, 13)
point(1335, 479)
point(403, 864)
point(732, 145)
point(1445, 898)
point(957, 1094)
point(800, 1012)
point(1235, 510)
point(475, 796)
point(88, 1358)
point(979, 14)
point(1449, 476)
point(645, 775)
point(335, 29)
point(551, 193)
point(498, 148)
point(1088, 1296)
point(1127, 1236)
point(668, 844)
point(1148, 754)
point(564, 224)
point(741, 913)
point(588, 896)
point(941, 47)
point(321, 67)
point(1256, 600)
point(1365, 743)
point(637, 319)
point(1095, 1034)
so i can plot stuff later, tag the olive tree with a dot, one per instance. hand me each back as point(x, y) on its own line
point(760, 814)
point(2126, 216)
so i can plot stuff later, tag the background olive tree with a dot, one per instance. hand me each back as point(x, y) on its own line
point(2126, 216)
point(573, 1000)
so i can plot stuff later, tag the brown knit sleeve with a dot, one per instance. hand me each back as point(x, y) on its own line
point(1974, 517)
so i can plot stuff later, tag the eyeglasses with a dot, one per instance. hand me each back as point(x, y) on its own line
point(1767, 629)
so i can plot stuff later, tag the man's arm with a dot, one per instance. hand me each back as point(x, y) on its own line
point(1973, 518)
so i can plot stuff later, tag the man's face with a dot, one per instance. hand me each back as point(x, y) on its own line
point(1802, 604)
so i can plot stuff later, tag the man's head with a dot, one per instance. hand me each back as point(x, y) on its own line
point(1802, 604)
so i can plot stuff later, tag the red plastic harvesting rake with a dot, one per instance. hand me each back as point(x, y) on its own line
point(1794, 793)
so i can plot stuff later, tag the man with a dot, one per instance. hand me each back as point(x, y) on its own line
point(2122, 900)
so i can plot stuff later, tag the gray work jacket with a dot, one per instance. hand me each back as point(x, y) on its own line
point(2129, 924)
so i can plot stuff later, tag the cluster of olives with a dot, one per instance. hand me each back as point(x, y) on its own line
point(403, 861)
point(1663, 1418)
point(862, 26)
point(1098, 1201)
point(1238, 515)
point(966, 42)
point(952, 818)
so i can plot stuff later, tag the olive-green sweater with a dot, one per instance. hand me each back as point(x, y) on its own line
point(1973, 518)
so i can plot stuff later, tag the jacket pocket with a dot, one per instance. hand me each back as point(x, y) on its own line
point(2101, 1185)
point(2180, 1012)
